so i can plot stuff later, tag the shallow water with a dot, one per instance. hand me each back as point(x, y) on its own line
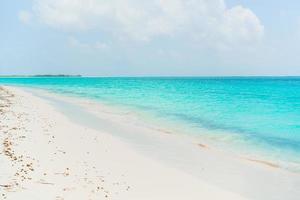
point(256, 116)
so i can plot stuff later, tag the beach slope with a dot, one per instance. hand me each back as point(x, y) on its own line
point(44, 155)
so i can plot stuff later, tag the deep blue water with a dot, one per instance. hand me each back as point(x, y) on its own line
point(257, 115)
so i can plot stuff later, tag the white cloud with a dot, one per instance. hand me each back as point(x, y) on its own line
point(25, 16)
point(100, 45)
point(208, 22)
point(74, 42)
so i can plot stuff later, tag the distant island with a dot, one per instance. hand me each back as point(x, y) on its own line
point(57, 75)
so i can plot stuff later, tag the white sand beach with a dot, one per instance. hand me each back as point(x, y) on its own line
point(46, 155)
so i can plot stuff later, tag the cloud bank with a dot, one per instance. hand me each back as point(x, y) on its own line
point(74, 42)
point(205, 22)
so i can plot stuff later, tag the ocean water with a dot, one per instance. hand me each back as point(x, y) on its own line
point(256, 116)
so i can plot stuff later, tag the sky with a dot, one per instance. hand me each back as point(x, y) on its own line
point(150, 37)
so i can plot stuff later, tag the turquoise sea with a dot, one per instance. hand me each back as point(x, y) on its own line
point(257, 116)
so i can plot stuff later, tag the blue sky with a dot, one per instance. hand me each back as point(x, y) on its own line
point(158, 37)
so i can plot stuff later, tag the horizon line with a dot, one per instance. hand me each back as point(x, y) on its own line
point(139, 76)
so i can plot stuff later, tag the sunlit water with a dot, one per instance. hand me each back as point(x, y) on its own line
point(253, 116)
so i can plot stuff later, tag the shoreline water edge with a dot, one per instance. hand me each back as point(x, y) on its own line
point(71, 148)
point(255, 117)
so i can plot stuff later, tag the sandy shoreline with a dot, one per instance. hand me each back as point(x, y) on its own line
point(47, 155)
